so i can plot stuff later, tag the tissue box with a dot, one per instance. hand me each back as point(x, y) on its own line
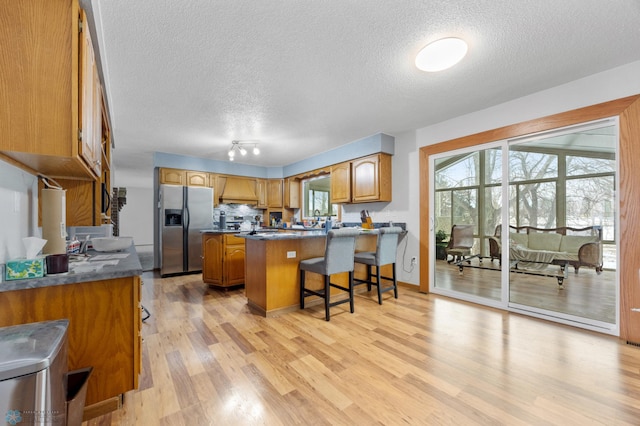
point(20, 269)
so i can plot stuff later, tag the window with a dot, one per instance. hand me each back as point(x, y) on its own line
point(317, 197)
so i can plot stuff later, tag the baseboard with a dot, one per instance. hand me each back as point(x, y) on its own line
point(101, 408)
point(409, 286)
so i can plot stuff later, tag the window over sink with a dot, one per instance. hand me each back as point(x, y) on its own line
point(316, 193)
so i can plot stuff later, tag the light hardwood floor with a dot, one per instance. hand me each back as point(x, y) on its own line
point(420, 359)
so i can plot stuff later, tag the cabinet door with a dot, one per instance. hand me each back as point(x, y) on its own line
point(274, 193)
point(261, 185)
point(90, 145)
point(371, 179)
point(341, 183)
point(219, 181)
point(212, 257)
point(234, 264)
point(103, 328)
point(37, 79)
point(292, 193)
point(197, 179)
point(173, 176)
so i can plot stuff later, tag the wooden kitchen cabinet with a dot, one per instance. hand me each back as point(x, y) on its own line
point(371, 179)
point(50, 104)
point(85, 198)
point(213, 256)
point(173, 176)
point(223, 259)
point(104, 331)
point(261, 189)
point(275, 193)
point(197, 178)
point(341, 183)
point(233, 268)
point(363, 180)
point(291, 193)
point(91, 102)
point(216, 182)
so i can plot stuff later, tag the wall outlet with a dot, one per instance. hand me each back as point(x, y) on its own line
point(413, 260)
point(291, 255)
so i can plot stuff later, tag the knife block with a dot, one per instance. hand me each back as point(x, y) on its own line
point(367, 224)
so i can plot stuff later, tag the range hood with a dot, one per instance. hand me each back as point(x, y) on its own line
point(239, 191)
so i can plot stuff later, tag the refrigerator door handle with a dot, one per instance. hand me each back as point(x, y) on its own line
point(185, 228)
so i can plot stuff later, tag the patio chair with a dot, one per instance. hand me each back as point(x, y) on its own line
point(460, 243)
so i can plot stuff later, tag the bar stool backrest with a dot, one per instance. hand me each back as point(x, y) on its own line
point(387, 245)
point(341, 245)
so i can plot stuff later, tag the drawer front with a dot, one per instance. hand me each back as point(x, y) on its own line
point(233, 239)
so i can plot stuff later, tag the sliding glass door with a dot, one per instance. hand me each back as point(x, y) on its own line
point(562, 243)
point(468, 207)
point(529, 225)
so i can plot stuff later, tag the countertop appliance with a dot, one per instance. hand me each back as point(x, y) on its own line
point(184, 212)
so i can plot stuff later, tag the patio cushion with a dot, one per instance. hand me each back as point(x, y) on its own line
point(549, 241)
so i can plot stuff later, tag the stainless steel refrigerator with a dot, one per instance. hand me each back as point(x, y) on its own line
point(184, 212)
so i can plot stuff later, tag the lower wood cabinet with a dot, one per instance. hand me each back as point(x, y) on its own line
point(104, 331)
point(223, 260)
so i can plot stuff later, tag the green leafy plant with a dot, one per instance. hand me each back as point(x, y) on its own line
point(441, 236)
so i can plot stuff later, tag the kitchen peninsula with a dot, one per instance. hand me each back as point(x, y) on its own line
point(101, 300)
point(273, 274)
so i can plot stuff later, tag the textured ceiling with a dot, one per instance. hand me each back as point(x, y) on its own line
point(188, 77)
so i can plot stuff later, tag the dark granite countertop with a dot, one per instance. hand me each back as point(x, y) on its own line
point(293, 235)
point(234, 231)
point(95, 266)
point(219, 231)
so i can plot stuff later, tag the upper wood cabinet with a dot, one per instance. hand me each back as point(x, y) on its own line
point(197, 178)
point(341, 183)
point(261, 189)
point(90, 133)
point(371, 179)
point(274, 193)
point(183, 177)
point(291, 193)
point(173, 176)
point(363, 180)
point(50, 93)
point(217, 182)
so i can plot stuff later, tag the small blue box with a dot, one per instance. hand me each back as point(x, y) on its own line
point(20, 269)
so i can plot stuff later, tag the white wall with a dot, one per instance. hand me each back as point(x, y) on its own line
point(136, 217)
point(18, 210)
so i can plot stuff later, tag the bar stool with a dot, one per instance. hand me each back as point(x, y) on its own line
point(338, 257)
point(385, 254)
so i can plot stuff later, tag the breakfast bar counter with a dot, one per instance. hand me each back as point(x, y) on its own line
point(272, 272)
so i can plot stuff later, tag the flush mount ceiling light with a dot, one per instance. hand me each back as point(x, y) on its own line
point(441, 54)
point(240, 147)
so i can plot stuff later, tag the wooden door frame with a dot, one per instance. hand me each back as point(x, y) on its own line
point(628, 112)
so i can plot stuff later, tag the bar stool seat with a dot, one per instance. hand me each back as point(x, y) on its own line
point(338, 258)
point(385, 254)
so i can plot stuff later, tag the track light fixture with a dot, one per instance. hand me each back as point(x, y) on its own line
point(240, 146)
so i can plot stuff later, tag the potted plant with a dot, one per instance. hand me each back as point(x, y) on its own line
point(441, 236)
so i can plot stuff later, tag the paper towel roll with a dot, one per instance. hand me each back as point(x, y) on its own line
point(54, 220)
